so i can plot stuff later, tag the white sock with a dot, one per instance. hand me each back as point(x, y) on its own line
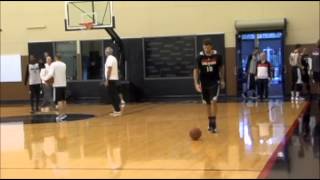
point(292, 93)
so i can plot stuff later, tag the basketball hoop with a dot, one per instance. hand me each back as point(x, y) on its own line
point(87, 25)
point(88, 15)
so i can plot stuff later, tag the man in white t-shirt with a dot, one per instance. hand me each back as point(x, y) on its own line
point(57, 71)
point(296, 75)
point(112, 77)
point(32, 78)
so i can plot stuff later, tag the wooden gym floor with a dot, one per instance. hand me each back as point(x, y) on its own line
point(150, 140)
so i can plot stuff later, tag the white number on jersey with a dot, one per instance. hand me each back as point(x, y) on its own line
point(209, 68)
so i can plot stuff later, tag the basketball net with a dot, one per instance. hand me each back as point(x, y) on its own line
point(87, 25)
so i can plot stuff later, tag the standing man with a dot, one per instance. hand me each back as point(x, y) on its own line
point(32, 78)
point(296, 75)
point(305, 71)
point(316, 67)
point(112, 78)
point(47, 102)
point(208, 76)
point(57, 71)
point(263, 76)
point(251, 72)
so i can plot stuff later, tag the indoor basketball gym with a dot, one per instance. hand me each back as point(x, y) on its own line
point(111, 89)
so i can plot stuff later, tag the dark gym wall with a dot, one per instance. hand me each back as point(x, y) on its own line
point(139, 87)
point(38, 49)
point(162, 88)
point(92, 90)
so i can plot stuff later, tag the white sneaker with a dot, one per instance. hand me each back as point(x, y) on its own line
point(63, 117)
point(280, 155)
point(58, 118)
point(299, 98)
point(115, 114)
point(292, 98)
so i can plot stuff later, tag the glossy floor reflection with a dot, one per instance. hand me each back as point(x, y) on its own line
point(300, 157)
point(149, 141)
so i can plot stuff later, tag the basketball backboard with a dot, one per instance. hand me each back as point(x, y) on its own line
point(79, 13)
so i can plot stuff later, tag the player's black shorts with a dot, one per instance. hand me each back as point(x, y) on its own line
point(316, 76)
point(59, 94)
point(210, 93)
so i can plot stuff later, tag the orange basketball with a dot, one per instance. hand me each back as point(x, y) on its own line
point(195, 133)
point(50, 81)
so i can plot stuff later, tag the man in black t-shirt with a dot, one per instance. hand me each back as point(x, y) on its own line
point(208, 78)
point(305, 70)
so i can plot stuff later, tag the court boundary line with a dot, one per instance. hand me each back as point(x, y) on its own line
point(136, 169)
